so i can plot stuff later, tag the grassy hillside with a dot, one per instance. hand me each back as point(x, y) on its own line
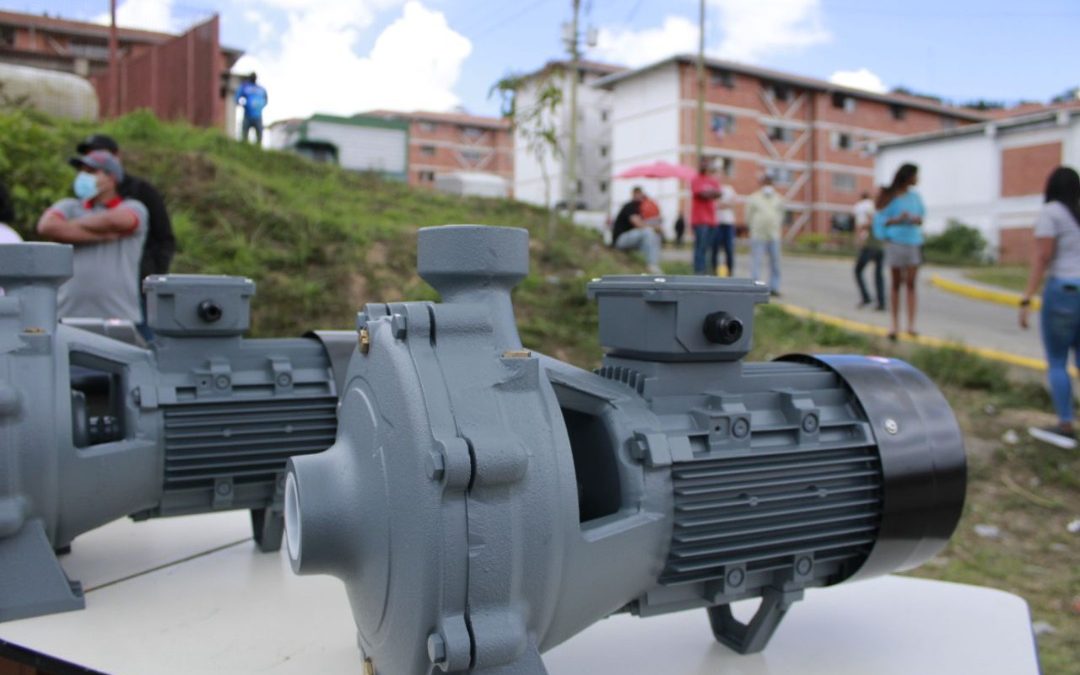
point(318, 241)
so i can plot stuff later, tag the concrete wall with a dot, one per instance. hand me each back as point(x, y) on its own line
point(364, 148)
point(645, 129)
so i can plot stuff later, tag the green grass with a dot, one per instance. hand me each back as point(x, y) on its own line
point(1009, 277)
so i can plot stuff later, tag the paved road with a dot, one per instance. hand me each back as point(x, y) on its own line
point(827, 285)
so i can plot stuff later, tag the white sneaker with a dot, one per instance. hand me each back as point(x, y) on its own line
point(1054, 436)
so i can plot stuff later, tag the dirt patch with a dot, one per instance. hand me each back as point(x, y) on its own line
point(376, 255)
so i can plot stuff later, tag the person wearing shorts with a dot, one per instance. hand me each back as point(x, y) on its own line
point(898, 223)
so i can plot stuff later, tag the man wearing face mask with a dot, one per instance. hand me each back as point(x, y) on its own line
point(107, 232)
point(765, 218)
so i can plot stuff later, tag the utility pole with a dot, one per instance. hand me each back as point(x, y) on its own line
point(701, 83)
point(114, 75)
point(570, 191)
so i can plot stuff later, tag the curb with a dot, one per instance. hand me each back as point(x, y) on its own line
point(981, 293)
point(922, 340)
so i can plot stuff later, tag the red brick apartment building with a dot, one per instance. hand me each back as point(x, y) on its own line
point(451, 142)
point(813, 137)
point(178, 77)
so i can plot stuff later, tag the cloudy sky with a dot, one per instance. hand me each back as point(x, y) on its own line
point(345, 56)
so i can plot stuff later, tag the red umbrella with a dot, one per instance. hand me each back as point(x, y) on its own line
point(658, 170)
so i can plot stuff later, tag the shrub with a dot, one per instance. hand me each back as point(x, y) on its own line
point(959, 244)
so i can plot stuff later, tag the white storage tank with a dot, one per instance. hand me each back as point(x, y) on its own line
point(472, 183)
point(50, 91)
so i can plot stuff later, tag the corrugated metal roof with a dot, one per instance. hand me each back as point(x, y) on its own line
point(89, 29)
point(464, 119)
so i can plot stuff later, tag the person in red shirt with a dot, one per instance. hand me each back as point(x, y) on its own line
point(704, 191)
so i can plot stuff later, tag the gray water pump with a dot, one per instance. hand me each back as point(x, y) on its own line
point(94, 428)
point(484, 503)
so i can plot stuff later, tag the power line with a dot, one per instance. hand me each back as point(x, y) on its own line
point(513, 17)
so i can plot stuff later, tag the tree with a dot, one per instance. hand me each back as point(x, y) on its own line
point(533, 117)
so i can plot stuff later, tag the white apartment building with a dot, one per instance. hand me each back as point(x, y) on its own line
point(990, 176)
point(593, 165)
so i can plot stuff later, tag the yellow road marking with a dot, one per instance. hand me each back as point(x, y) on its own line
point(924, 340)
point(981, 293)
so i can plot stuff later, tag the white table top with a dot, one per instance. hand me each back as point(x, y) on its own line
point(192, 595)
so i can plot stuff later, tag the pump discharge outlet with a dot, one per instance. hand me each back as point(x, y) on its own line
point(484, 503)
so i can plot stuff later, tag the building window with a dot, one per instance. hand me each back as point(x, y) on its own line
point(948, 122)
point(843, 222)
point(843, 182)
point(579, 186)
point(781, 92)
point(842, 141)
point(780, 175)
point(843, 102)
point(722, 124)
point(603, 151)
point(7, 35)
point(899, 112)
point(471, 157)
point(427, 150)
point(725, 165)
point(603, 186)
point(426, 176)
point(781, 134)
point(428, 127)
point(723, 78)
point(472, 132)
point(604, 114)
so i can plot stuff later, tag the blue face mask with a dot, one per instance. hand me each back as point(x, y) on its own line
point(85, 186)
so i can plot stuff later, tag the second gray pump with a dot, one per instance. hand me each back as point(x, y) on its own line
point(95, 428)
point(484, 503)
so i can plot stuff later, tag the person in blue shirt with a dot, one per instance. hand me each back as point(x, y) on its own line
point(254, 99)
point(898, 223)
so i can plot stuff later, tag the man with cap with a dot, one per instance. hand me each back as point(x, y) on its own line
point(107, 232)
point(160, 244)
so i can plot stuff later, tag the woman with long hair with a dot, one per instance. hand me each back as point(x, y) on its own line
point(898, 223)
point(1057, 256)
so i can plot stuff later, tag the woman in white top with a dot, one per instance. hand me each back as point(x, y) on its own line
point(725, 229)
point(1057, 255)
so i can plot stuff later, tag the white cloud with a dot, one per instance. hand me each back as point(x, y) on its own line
point(751, 31)
point(414, 63)
point(863, 78)
point(145, 14)
point(626, 46)
point(265, 27)
point(741, 30)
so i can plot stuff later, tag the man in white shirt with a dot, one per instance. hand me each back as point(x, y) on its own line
point(725, 234)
